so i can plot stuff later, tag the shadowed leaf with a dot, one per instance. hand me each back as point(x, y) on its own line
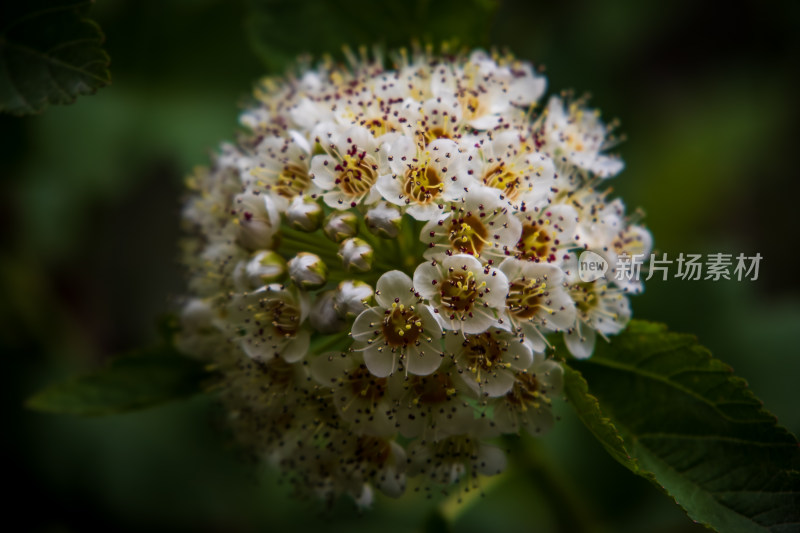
point(588, 409)
point(698, 429)
point(50, 53)
point(128, 383)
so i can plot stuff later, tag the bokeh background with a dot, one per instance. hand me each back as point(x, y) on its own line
point(89, 215)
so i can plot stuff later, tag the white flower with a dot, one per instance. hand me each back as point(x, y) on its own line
point(480, 224)
point(508, 162)
point(274, 386)
point(356, 255)
point(423, 177)
point(435, 118)
point(547, 234)
point(255, 119)
point(380, 461)
point(414, 78)
point(210, 206)
point(201, 329)
point(215, 262)
point(232, 159)
point(578, 137)
point(381, 116)
point(398, 330)
point(487, 361)
point(349, 169)
point(596, 232)
point(279, 166)
point(308, 271)
point(389, 475)
point(307, 113)
point(258, 218)
point(267, 323)
point(524, 87)
point(600, 308)
point(489, 92)
point(360, 397)
point(464, 294)
point(528, 404)
point(446, 461)
point(431, 406)
point(635, 243)
point(537, 300)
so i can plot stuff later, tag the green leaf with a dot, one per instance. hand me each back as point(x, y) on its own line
point(128, 383)
point(50, 53)
point(588, 409)
point(280, 29)
point(693, 427)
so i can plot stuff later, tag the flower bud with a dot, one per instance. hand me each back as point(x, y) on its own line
point(261, 269)
point(265, 267)
point(255, 119)
point(384, 220)
point(365, 499)
point(351, 297)
point(197, 315)
point(304, 214)
point(199, 324)
point(356, 254)
point(341, 225)
point(308, 271)
point(323, 316)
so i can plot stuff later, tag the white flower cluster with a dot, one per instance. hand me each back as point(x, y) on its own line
point(379, 261)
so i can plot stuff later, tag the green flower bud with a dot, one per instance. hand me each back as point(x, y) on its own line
point(384, 220)
point(304, 214)
point(265, 267)
point(351, 297)
point(356, 254)
point(340, 225)
point(308, 271)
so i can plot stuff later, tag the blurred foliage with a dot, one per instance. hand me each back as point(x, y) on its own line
point(50, 54)
point(89, 221)
point(279, 30)
point(146, 378)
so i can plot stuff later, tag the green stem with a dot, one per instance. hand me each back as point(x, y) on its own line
point(455, 505)
point(316, 240)
point(402, 253)
point(409, 245)
point(528, 461)
point(325, 343)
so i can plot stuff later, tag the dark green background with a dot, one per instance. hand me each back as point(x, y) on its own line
point(89, 215)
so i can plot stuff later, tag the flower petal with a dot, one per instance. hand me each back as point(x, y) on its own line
point(394, 285)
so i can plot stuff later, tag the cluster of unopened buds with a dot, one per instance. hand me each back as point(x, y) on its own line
point(382, 260)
